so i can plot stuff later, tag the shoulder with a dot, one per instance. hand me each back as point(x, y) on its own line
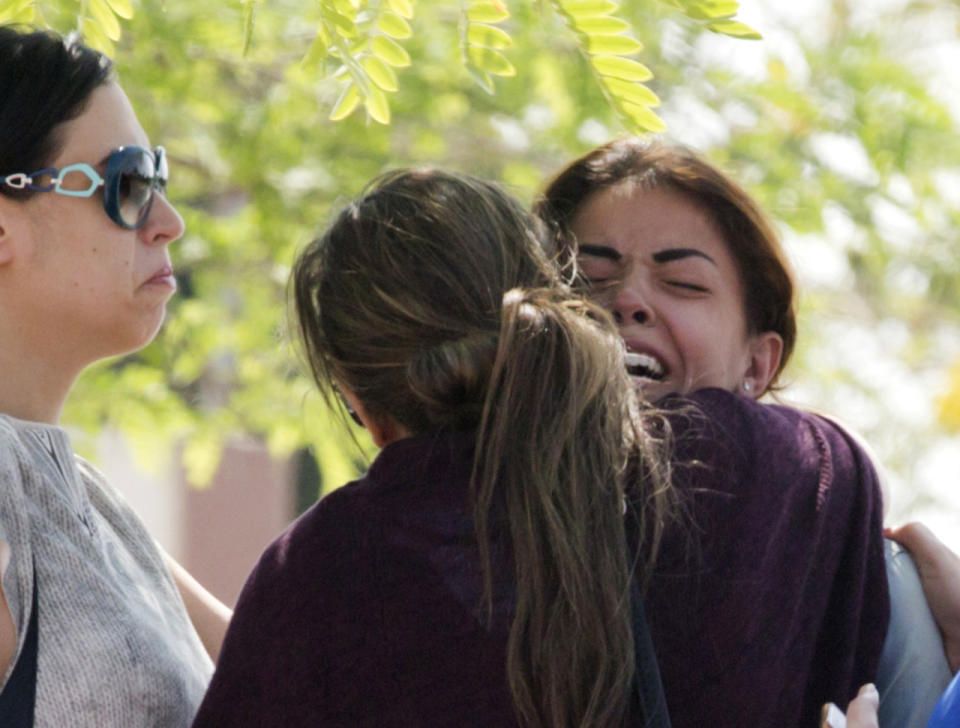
point(109, 502)
point(117, 514)
point(305, 611)
point(777, 449)
point(747, 427)
point(322, 544)
point(14, 463)
point(318, 558)
point(12, 451)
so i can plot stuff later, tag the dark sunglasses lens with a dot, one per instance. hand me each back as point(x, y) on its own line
point(135, 189)
point(350, 410)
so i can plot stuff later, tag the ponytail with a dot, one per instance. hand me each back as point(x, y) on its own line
point(553, 449)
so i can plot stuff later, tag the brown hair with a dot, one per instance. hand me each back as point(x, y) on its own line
point(767, 282)
point(433, 299)
point(45, 80)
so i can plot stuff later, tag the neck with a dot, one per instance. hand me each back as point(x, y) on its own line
point(34, 384)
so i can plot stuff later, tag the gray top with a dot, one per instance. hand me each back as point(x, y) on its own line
point(913, 668)
point(116, 647)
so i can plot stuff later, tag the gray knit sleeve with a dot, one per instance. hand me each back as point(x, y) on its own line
point(15, 532)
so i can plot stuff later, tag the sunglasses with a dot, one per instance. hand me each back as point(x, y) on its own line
point(349, 408)
point(133, 174)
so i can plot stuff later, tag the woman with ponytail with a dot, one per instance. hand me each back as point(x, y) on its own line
point(479, 573)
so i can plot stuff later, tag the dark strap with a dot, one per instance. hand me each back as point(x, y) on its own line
point(19, 694)
point(648, 689)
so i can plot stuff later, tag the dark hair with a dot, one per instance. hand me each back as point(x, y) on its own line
point(768, 284)
point(433, 300)
point(45, 80)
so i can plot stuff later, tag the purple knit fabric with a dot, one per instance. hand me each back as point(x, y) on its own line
point(773, 600)
point(364, 613)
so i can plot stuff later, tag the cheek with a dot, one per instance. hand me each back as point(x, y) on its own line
point(712, 344)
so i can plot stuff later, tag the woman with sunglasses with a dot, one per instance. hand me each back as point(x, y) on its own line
point(93, 630)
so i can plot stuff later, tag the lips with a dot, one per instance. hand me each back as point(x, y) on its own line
point(162, 277)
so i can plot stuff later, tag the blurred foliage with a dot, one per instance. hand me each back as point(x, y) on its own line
point(841, 127)
point(362, 41)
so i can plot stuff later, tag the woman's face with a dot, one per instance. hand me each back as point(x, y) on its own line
point(90, 285)
point(680, 306)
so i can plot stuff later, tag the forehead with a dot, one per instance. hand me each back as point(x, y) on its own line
point(107, 122)
point(638, 221)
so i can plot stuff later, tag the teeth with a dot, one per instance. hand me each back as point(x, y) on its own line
point(644, 365)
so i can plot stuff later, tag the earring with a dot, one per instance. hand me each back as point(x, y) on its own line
point(747, 387)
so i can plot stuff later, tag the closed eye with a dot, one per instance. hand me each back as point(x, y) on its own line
point(688, 286)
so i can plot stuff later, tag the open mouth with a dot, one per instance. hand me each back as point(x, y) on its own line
point(645, 366)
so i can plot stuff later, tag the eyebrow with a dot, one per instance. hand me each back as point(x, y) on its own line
point(661, 256)
point(670, 254)
point(599, 251)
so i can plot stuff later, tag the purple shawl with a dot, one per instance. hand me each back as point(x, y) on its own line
point(772, 597)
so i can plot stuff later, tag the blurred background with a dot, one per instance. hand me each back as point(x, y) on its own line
point(842, 121)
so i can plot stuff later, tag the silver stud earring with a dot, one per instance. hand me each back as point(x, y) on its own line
point(747, 387)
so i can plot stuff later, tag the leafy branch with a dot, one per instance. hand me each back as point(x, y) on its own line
point(363, 38)
point(481, 42)
point(606, 42)
point(716, 15)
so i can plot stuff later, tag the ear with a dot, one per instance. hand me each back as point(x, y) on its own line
point(764, 351)
point(383, 429)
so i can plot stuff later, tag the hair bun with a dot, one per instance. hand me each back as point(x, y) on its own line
point(450, 378)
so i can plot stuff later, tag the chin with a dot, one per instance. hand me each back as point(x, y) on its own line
point(140, 335)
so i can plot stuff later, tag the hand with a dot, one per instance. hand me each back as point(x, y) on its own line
point(861, 713)
point(939, 570)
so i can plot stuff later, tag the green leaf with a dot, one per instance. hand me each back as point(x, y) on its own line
point(394, 26)
point(589, 8)
point(634, 93)
point(14, 12)
point(491, 61)
point(604, 25)
point(102, 13)
point(618, 67)
point(483, 79)
point(720, 8)
point(94, 36)
point(380, 73)
point(488, 36)
point(249, 8)
point(403, 8)
point(643, 117)
point(122, 8)
point(340, 23)
point(377, 105)
point(735, 29)
point(345, 7)
point(485, 12)
point(708, 9)
point(613, 45)
point(318, 50)
point(347, 103)
point(390, 51)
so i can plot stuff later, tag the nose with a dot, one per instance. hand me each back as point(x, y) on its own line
point(632, 304)
point(164, 225)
